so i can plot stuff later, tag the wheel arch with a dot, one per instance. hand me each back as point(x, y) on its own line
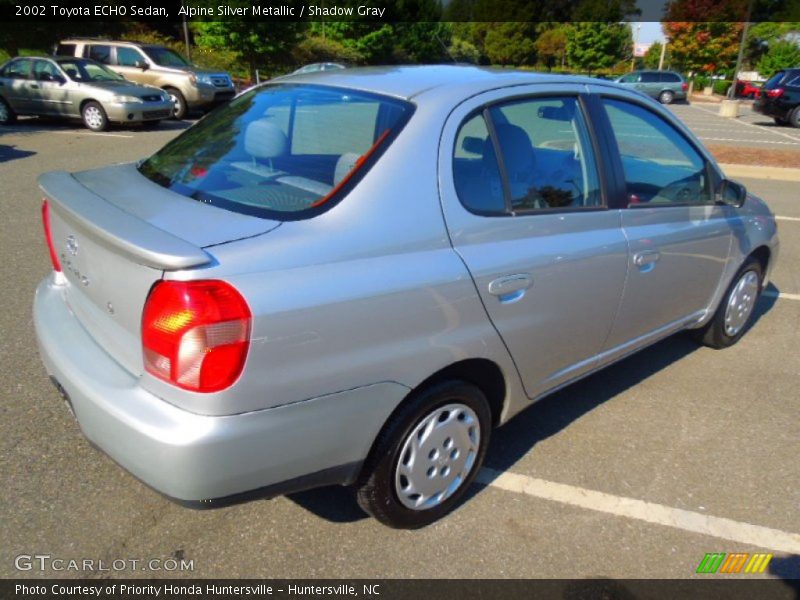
point(763, 255)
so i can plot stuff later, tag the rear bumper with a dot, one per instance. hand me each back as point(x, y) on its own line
point(138, 112)
point(195, 458)
point(771, 109)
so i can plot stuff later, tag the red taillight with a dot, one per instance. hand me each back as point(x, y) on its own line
point(195, 334)
point(684, 86)
point(776, 93)
point(48, 236)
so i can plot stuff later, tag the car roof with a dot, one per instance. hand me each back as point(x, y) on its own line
point(409, 81)
point(102, 41)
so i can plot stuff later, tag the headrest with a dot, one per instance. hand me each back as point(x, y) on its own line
point(515, 145)
point(344, 165)
point(264, 139)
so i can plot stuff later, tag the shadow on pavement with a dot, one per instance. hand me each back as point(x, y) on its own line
point(31, 125)
point(9, 153)
point(788, 569)
point(540, 421)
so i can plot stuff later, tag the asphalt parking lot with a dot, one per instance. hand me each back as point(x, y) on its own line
point(636, 472)
point(750, 130)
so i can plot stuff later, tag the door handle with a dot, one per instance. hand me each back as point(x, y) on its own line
point(511, 287)
point(646, 257)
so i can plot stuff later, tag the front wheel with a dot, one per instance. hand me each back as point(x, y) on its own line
point(94, 117)
point(426, 456)
point(736, 308)
point(178, 100)
point(666, 97)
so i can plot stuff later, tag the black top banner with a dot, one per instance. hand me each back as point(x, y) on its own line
point(26, 11)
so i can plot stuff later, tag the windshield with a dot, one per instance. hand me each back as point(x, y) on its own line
point(282, 151)
point(164, 57)
point(88, 71)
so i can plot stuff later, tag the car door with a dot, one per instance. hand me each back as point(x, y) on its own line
point(50, 94)
point(131, 64)
point(679, 237)
point(649, 83)
point(15, 84)
point(525, 208)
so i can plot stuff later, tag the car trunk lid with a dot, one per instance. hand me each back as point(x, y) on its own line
point(115, 233)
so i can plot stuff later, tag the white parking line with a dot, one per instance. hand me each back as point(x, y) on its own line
point(620, 506)
point(758, 127)
point(92, 133)
point(716, 139)
point(781, 295)
point(787, 218)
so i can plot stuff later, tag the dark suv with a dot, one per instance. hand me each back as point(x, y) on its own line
point(780, 98)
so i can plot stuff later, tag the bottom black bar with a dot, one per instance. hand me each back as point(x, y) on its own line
point(394, 589)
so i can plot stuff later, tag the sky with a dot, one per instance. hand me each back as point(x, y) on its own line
point(650, 32)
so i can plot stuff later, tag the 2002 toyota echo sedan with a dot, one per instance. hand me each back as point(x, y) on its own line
point(353, 276)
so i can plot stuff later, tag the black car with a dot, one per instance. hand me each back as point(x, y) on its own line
point(780, 98)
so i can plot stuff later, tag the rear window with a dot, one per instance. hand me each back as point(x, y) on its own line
point(283, 151)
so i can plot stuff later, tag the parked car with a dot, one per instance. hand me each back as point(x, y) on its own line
point(779, 98)
point(77, 88)
point(664, 86)
point(353, 277)
point(320, 66)
point(191, 87)
point(747, 89)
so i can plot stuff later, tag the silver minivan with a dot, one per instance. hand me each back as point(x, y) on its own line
point(351, 277)
point(665, 86)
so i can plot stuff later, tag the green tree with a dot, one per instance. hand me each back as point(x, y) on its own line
point(781, 55)
point(652, 57)
point(761, 35)
point(593, 46)
point(707, 47)
point(551, 46)
point(510, 43)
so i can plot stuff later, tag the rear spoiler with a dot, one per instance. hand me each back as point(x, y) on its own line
point(122, 232)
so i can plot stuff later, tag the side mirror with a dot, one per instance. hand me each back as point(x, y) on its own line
point(60, 80)
point(557, 113)
point(731, 193)
point(473, 145)
point(142, 65)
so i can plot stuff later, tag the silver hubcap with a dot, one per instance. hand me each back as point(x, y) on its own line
point(3, 113)
point(93, 117)
point(741, 302)
point(176, 102)
point(437, 456)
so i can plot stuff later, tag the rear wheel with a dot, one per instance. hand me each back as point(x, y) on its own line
point(7, 114)
point(427, 456)
point(666, 97)
point(181, 109)
point(794, 117)
point(736, 309)
point(94, 116)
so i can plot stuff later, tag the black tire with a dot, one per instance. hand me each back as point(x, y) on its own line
point(714, 333)
point(151, 124)
point(779, 122)
point(377, 489)
point(181, 108)
point(94, 116)
point(666, 97)
point(794, 117)
point(7, 114)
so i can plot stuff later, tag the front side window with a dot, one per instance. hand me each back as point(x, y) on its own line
point(650, 78)
point(87, 71)
point(45, 71)
point(128, 57)
point(282, 151)
point(630, 78)
point(660, 165)
point(164, 57)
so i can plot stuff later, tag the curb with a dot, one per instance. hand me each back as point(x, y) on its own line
point(758, 172)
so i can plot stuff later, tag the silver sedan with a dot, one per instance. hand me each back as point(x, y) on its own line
point(77, 88)
point(352, 276)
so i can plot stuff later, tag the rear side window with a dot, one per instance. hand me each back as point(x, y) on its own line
point(65, 50)
point(650, 78)
point(773, 81)
point(660, 165)
point(100, 53)
point(18, 69)
point(670, 77)
point(283, 151)
point(475, 171)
